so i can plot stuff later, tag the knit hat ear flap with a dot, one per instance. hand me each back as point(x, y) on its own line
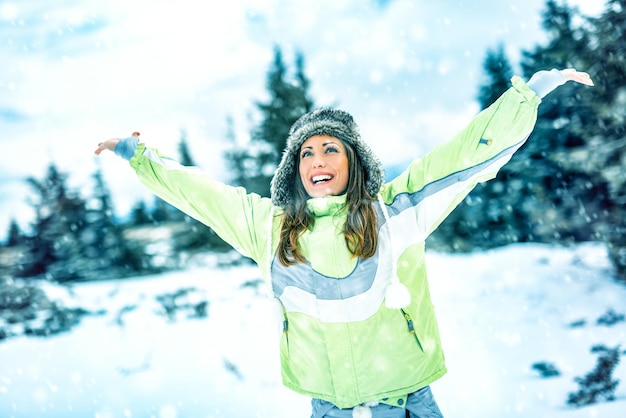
point(323, 121)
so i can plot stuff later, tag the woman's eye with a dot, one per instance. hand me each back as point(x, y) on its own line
point(306, 154)
point(331, 149)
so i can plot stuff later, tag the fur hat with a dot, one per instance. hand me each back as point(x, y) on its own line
point(323, 121)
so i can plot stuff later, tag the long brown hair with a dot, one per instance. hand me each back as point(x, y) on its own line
point(359, 230)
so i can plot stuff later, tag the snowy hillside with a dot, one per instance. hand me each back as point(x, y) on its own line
point(216, 355)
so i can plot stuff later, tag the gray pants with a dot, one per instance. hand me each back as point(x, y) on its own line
point(419, 404)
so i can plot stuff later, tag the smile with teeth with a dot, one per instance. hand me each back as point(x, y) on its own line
point(321, 178)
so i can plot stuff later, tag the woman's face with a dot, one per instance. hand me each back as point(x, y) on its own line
point(323, 166)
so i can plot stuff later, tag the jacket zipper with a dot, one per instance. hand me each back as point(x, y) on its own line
point(286, 331)
point(409, 322)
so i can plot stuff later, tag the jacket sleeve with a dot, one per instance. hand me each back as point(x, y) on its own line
point(239, 218)
point(434, 185)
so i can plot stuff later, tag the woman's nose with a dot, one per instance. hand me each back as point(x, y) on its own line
point(318, 162)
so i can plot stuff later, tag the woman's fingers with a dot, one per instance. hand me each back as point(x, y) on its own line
point(577, 76)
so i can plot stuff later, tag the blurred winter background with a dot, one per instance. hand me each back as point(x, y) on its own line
point(112, 303)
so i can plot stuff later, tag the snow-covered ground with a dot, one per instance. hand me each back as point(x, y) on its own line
point(500, 312)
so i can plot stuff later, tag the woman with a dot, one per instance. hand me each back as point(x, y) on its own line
point(344, 253)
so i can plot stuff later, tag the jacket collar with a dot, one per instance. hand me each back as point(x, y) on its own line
point(325, 206)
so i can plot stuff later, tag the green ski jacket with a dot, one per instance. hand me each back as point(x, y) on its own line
point(341, 343)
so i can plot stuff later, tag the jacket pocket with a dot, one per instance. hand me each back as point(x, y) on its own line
point(411, 327)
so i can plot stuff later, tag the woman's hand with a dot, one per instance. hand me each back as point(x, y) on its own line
point(577, 76)
point(110, 144)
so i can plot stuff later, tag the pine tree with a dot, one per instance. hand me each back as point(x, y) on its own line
point(75, 238)
point(486, 217)
point(107, 253)
point(499, 72)
point(15, 236)
point(574, 159)
point(235, 155)
point(567, 42)
point(195, 235)
point(550, 191)
point(607, 155)
point(183, 150)
point(503, 221)
point(287, 102)
point(590, 127)
point(557, 199)
point(60, 217)
point(139, 214)
point(163, 211)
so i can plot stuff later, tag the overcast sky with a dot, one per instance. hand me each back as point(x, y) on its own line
point(78, 71)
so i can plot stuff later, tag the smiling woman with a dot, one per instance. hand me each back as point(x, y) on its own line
point(343, 252)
